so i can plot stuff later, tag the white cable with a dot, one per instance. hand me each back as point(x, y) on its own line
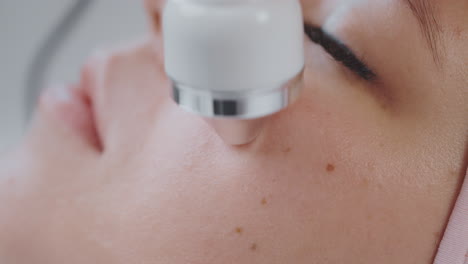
point(45, 54)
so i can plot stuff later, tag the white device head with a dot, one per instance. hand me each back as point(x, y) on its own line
point(234, 60)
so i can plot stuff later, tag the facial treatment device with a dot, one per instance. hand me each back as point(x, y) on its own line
point(234, 62)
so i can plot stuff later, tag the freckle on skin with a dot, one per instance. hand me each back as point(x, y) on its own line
point(365, 182)
point(458, 32)
point(253, 247)
point(330, 167)
point(264, 201)
point(239, 230)
point(287, 150)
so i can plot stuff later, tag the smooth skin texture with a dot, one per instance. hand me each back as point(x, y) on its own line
point(112, 171)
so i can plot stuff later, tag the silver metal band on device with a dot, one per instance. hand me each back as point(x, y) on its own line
point(235, 105)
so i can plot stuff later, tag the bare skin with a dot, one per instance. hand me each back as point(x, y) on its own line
point(355, 172)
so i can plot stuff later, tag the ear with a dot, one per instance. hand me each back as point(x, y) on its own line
point(154, 8)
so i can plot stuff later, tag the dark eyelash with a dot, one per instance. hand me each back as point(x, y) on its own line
point(339, 51)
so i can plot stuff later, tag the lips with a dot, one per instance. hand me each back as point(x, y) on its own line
point(72, 105)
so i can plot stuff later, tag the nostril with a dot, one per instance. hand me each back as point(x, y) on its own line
point(69, 105)
point(88, 91)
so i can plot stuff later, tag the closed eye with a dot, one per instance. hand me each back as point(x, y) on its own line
point(340, 52)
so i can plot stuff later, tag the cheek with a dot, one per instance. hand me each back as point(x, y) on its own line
point(304, 170)
point(328, 127)
point(312, 172)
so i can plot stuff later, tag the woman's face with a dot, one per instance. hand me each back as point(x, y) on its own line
point(357, 171)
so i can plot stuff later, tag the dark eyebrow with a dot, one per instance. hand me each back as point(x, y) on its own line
point(424, 11)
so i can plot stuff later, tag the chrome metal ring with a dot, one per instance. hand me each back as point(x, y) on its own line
point(236, 105)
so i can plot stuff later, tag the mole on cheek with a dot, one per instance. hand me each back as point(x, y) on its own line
point(458, 32)
point(239, 230)
point(253, 247)
point(287, 150)
point(330, 167)
point(365, 182)
point(264, 201)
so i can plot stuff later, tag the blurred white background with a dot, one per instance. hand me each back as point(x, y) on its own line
point(24, 25)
